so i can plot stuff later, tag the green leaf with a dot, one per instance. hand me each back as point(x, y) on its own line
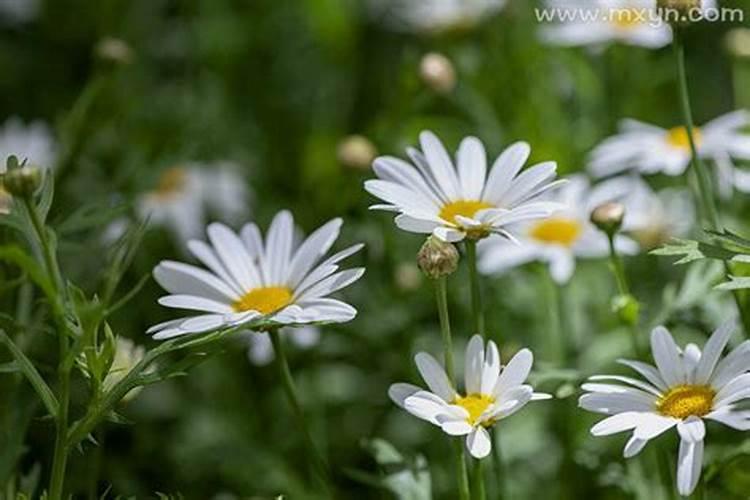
point(14, 254)
point(691, 250)
point(90, 216)
point(731, 239)
point(735, 283)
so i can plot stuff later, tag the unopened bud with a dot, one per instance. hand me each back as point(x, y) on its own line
point(738, 42)
point(678, 12)
point(608, 217)
point(627, 309)
point(437, 72)
point(114, 50)
point(357, 152)
point(23, 181)
point(437, 258)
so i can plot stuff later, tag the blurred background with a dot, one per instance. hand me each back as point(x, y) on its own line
point(292, 99)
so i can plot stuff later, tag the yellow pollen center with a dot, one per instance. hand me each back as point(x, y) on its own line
point(683, 401)
point(475, 404)
point(265, 300)
point(171, 182)
point(557, 230)
point(677, 137)
point(465, 208)
point(625, 18)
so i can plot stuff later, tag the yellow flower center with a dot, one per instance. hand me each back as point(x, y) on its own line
point(465, 208)
point(683, 401)
point(677, 137)
point(557, 230)
point(475, 404)
point(265, 300)
point(171, 182)
point(625, 18)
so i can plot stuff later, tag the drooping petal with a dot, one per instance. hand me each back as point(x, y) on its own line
point(434, 376)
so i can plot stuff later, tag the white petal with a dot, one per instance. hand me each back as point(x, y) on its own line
point(515, 372)
point(454, 426)
point(505, 168)
point(478, 442)
point(692, 429)
point(490, 369)
point(649, 372)
point(667, 356)
point(279, 247)
point(735, 390)
point(426, 406)
point(232, 253)
point(472, 167)
point(178, 278)
point(194, 303)
point(440, 164)
point(631, 381)
point(313, 249)
point(434, 376)
point(652, 425)
point(473, 363)
point(739, 420)
point(712, 352)
point(734, 364)
point(634, 446)
point(616, 423)
point(689, 465)
point(400, 391)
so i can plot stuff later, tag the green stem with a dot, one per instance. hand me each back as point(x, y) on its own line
point(476, 294)
point(478, 481)
point(705, 190)
point(319, 463)
point(60, 456)
point(31, 373)
point(50, 262)
point(441, 296)
point(624, 289)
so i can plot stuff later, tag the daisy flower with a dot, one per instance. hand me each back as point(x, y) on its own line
point(434, 15)
point(453, 203)
point(650, 149)
point(685, 388)
point(280, 281)
point(652, 218)
point(493, 392)
point(183, 195)
point(33, 143)
point(260, 348)
point(560, 239)
point(600, 22)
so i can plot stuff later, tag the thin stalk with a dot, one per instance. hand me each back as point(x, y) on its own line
point(441, 296)
point(50, 262)
point(60, 456)
point(476, 294)
point(319, 463)
point(705, 190)
point(478, 480)
point(624, 289)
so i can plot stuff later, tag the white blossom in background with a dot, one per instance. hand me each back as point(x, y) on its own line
point(685, 388)
point(560, 239)
point(14, 12)
point(127, 355)
point(652, 218)
point(260, 349)
point(280, 280)
point(457, 200)
point(433, 15)
point(492, 392)
point(649, 149)
point(33, 142)
point(184, 195)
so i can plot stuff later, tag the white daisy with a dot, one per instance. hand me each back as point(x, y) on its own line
point(33, 143)
point(434, 15)
point(279, 282)
point(652, 218)
point(260, 348)
point(559, 239)
point(600, 22)
point(453, 203)
point(493, 392)
point(183, 195)
point(650, 149)
point(686, 387)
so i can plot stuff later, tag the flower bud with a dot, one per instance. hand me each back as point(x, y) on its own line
point(738, 42)
point(608, 217)
point(436, 71)
point(23, 181)
point(678, 12)
point(357, 152)
point(114, 50)
point(437, 258)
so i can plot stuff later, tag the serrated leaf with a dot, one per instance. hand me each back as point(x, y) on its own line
point(692, 250)
point(735, 283)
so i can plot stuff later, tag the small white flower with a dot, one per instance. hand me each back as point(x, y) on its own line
point(652, 218)
point(686, 387)
point(184, 194)
point(281, 281)
point(454, 202)
point(434, 15)
point(260, 348)
point(559, 239)
point(127, 355)
point(493, 392)
point(649, 149)
point(600, 22)
point(32, 142)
